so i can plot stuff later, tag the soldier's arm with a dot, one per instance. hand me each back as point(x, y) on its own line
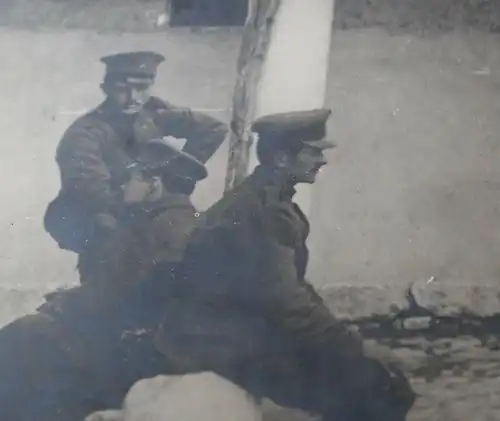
point(370, 373)
point(292, 302)
point(84, 172)
point(204, 134)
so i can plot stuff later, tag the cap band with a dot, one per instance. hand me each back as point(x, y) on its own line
point(308, 134)
point(127, 78)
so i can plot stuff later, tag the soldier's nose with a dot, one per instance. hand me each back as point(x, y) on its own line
point(135, 95)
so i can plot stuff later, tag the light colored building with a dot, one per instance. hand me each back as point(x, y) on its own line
point(412, 189)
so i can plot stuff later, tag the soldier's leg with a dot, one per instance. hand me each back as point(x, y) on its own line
point(356, 389)
point(378, 391)
point(134, 358)
point(38, 379)
point(320, 384)
point(128, 353)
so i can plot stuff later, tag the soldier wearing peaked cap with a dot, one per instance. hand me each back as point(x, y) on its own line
point(97, 150)
point(124, 205)
point(244, 308)
point(140, 66)
point(151, 232)
point(85, 347)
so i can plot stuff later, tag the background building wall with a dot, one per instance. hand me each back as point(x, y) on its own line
point(411, 192)
point(412, 189)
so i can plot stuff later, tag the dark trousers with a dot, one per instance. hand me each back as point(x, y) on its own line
point(61, 368)
point(293, 375)
point(308, 382)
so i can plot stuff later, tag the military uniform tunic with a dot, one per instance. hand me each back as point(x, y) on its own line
point(95, 150)
point(83, 350)
point(245, 310)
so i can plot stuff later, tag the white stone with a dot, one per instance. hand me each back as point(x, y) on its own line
point(194, 397)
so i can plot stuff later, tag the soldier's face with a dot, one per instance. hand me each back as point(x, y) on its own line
point(129, 97)
point(305, 166)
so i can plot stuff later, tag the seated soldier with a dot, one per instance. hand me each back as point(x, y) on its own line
point(150, 239)
point(244, 309)
point(153, 230)
point(82, 351)
point(95, 152)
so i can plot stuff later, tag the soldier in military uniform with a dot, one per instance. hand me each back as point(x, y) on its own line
point(83, 350)
point(153, 232)
point(143, 255)
point(244, 308)
point(110, 210)
point(122, 216)
point(96, 152)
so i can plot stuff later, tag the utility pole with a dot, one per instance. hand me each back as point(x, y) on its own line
point(255, 44)
point(295, 73)
point(283, 66)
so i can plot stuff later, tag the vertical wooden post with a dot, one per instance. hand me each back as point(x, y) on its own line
point(283, 66)
point(253, 52)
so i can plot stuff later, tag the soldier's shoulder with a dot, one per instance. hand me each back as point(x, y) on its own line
point(235, 212)
point(169, 232)
point(87, 126)
point(244, 204)
point(92, 116)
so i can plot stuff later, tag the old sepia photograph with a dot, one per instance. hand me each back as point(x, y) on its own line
point(250, 210)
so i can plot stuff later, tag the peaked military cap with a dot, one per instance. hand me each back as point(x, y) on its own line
point(142, 64)
point(161, 153)
point(307, 127)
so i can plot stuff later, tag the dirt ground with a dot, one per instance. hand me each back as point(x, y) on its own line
point(457, 398)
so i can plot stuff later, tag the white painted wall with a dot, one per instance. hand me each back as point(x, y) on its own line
point(412, 189)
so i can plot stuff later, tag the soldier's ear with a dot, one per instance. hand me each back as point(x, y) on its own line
point(281, 159)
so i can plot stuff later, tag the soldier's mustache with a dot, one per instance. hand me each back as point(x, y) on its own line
point(317, 168)
point(134, 105)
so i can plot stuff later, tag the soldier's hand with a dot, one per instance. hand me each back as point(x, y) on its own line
point(384, 371)
point(156, 190)
point(138, 190)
